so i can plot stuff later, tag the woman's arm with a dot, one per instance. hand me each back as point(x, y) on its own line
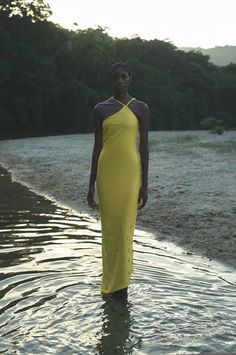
point(144, 153)
point(96, 152)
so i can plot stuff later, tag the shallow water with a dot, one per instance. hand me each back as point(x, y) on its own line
point(192, 178)
point(50, 301)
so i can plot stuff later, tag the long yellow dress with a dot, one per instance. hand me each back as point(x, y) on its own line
point(118, 182)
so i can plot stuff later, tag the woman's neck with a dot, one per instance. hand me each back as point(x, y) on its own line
point(121, 96)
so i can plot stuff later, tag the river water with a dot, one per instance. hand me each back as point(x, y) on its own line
point(50, 301)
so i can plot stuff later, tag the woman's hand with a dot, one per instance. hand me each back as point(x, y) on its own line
point(90, 197)
point(143, 196)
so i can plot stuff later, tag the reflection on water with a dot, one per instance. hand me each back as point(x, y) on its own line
point(50, 301)
point(116, 325)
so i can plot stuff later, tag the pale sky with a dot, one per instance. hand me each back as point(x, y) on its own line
point(191, 23)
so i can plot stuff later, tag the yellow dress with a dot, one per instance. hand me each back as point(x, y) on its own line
point(118, 182)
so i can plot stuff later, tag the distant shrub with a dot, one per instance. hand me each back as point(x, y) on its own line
point(217, 129)
point(215, 125)
point(210, 122)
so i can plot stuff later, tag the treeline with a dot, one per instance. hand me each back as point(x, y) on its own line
point(51, 78)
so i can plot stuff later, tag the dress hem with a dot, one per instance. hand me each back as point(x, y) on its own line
point(115, 290)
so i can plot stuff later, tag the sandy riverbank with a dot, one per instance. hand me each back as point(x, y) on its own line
point(192, 179)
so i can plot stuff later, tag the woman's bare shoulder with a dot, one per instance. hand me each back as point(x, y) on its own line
point(142, 105)
point(142, 108)
point(101, 108)
point(101, 105)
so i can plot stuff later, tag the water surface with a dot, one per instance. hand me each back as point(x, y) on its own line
point(50, 301)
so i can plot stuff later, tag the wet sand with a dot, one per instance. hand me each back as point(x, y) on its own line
point(50, 280)
point(192, 179)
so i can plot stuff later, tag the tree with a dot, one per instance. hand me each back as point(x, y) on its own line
point(51, 77)
point(36, 10)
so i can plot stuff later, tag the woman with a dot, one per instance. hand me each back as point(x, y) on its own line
point(121, 177)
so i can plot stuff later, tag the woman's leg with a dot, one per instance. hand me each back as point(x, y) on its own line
point(122, 294)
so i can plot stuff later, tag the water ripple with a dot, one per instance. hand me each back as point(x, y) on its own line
point(50, 301)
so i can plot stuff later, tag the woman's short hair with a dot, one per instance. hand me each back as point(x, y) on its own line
point(122, 65)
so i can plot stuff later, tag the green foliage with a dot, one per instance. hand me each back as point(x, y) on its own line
point(36, 10)
point(215, 125)
point(210, 122)
point(51, 78)
point(217, 129)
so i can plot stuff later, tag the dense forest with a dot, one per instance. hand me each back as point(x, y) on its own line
point(51, 77)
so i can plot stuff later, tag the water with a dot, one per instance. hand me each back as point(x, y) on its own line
point(192, 179)
point(50, 301)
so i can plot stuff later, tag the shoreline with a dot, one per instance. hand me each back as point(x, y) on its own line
point(58, 168)
point(49, 200)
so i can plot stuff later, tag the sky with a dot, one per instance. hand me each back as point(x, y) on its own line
point(185, 23)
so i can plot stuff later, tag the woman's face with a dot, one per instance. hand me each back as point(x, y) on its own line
point(120, 79)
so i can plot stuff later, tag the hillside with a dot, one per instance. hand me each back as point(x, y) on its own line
point(218, 55)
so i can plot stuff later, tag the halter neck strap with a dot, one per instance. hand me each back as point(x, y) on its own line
point(133, 98)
